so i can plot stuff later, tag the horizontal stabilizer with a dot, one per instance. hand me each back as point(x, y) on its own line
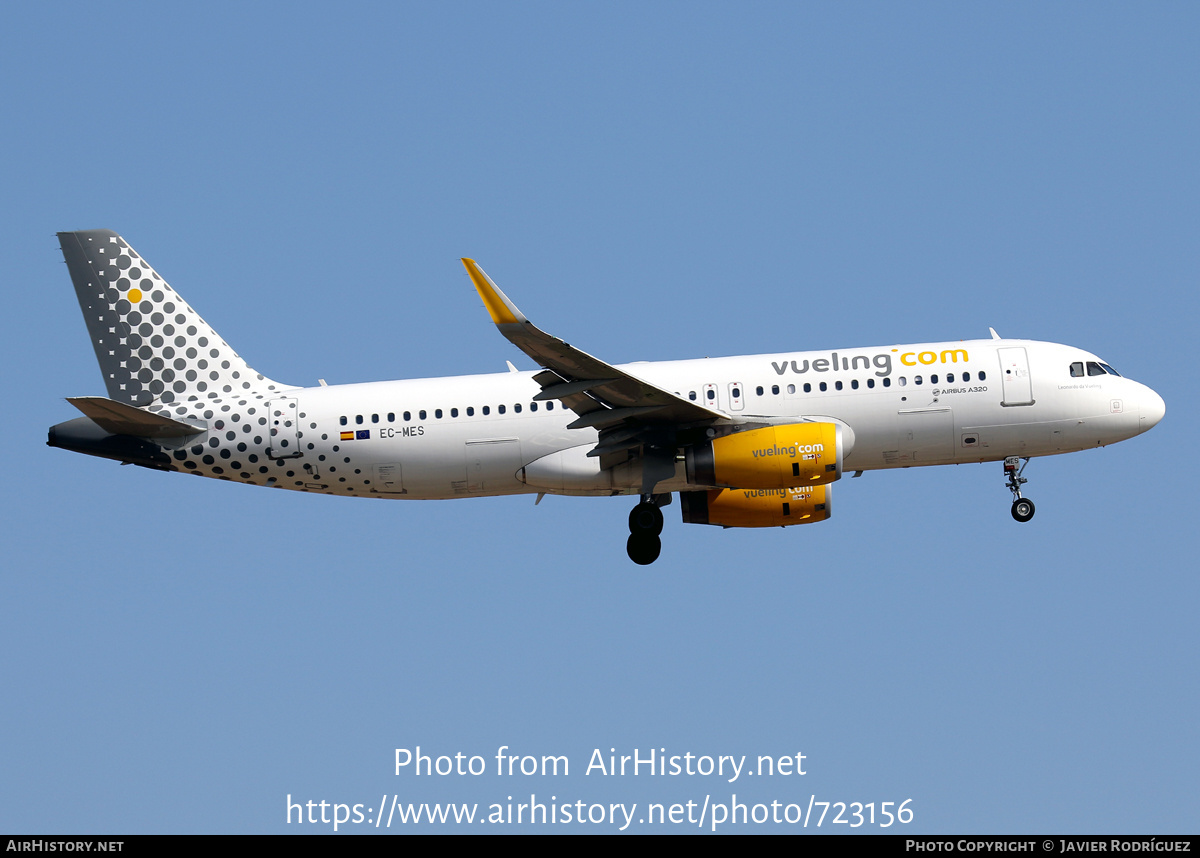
point(121, 419)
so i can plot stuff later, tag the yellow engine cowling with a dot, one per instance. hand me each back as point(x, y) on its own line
point(774, 457)
point(758, 507)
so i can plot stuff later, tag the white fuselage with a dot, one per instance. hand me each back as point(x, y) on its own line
point(899, 406)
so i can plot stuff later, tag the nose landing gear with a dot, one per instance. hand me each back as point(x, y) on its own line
point(645, 524)
point(1022, 508)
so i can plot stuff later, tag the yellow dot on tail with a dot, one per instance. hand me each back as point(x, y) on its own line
point(135, 295)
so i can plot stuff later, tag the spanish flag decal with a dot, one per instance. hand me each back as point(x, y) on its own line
point(347, 436)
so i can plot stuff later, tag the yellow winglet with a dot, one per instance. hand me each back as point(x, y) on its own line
point(502, 310)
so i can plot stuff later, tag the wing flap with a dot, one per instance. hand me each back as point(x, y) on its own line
point(565, 389)
point(612, 416)
point(580, 403)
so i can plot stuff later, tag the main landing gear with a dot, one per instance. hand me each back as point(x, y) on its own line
point(1022, 508)
point(645, 524)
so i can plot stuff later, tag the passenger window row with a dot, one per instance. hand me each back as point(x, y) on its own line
point(710, 394)
point(901, 381)
point(438, 413)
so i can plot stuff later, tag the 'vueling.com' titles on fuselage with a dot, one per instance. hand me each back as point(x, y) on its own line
point(881, 362)
point(739, 445)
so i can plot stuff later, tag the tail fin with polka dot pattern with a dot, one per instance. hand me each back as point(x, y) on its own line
point(154, 350)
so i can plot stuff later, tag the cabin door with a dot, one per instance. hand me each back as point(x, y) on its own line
point(1014, 377)
point(285, 429)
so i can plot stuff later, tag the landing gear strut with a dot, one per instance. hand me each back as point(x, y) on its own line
point(645, 524)
point(1022, 508)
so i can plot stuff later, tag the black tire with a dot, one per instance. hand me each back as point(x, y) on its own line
point(1022, 509)
point(643, 548)
point(646, 518)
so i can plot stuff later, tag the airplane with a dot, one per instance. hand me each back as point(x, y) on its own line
point(748, 441)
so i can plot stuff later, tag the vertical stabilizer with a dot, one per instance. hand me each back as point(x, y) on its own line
point(153, 348)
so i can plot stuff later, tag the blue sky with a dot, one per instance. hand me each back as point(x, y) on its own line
point(649, 182)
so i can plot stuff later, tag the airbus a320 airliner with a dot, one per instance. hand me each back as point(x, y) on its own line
point(751, 441)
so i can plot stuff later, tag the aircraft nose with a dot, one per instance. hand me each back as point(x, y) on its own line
point(1152, 409)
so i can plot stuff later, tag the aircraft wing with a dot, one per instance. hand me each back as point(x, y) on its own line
point(603, 396)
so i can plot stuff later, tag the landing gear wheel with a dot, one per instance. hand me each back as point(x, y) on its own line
point(1022, 509)
point(646, 518)
point(643, 548)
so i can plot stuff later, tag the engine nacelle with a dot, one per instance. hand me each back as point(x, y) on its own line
point(758, 507)
point(774, 457)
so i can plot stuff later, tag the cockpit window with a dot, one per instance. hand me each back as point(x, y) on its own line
point(1094, 367)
